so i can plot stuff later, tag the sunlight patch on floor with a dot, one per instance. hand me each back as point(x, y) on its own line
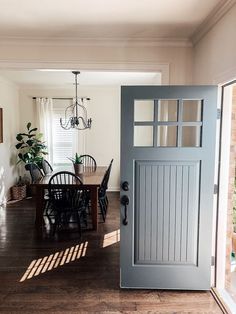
point(55, 260)
point(111, 238)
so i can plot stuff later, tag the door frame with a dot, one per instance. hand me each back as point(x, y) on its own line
point(135, 66)
point(223, 180)
point(132, 66)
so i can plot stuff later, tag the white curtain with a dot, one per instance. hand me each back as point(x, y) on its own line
point(45, 121)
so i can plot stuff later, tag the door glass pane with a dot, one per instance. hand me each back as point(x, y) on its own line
point(143, 135)
point(143, 110)
point(166, 135)
point(191, 136)
point(167, 110)
point(192, 110)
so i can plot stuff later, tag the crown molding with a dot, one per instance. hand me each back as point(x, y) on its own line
point(220, 10)
point(95, 42)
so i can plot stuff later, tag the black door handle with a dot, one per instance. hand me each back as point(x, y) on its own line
point(125, 202)
point(125, 186)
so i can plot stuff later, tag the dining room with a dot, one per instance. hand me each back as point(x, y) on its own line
point(47, 101)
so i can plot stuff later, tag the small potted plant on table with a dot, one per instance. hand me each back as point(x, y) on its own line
point(78, 163)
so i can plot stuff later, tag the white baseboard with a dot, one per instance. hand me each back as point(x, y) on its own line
point(114, 189)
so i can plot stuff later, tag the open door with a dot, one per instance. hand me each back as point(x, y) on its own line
point(168, 136)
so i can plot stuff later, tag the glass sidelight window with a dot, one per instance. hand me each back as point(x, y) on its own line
point(168, 123)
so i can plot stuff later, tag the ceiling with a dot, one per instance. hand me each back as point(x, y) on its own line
point(103, 18)
point(65, 79)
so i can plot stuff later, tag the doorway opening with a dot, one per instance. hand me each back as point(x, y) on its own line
point(226, 217)
point(83, 254)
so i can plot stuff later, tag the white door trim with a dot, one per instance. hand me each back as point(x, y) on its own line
point(223, 188)
point(136, 66)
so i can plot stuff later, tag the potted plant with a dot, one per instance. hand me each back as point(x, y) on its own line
point(30, 146)
point(18, 191)
point(78, 163)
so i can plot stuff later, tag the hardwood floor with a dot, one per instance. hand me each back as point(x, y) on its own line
point(45, 275)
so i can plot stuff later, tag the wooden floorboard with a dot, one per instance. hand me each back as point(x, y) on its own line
point(66, 277)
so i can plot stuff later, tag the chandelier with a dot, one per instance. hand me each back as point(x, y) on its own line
point(76, 114)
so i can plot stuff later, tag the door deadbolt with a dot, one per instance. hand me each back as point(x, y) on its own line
point(125, 186)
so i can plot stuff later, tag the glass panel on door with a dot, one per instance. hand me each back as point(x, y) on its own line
point(143, 110)
point(166, 136)
point(167, 110)
point(143, 135)
point(192, 110)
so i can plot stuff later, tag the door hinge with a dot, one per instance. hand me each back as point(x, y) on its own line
point(218, 114)
point(216, 189)
point(213, 261)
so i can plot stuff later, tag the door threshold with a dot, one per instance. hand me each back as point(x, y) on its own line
point(224, 300)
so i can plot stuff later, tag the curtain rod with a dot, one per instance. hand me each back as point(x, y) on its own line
point(62, 98)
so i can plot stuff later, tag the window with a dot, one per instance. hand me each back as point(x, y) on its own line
point(168, 122)
point(62, 139)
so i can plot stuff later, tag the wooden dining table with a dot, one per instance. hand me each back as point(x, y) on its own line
point(91, 181)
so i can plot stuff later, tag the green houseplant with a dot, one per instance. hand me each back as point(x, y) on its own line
point(78, 163)
point(30, 146)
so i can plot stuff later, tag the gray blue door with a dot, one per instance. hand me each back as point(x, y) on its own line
point(168, 136)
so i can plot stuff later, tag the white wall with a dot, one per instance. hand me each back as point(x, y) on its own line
point(8, 170)
point(30, 54)
point(103, 140)
point(214, 54)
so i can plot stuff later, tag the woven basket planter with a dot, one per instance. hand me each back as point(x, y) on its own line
point(18, 192)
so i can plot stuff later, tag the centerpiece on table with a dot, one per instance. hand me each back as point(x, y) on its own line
point(78, 163)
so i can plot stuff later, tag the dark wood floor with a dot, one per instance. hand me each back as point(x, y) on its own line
point(60, 275)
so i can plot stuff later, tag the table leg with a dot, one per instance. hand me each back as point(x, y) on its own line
point(94, 207)
point(39, 207)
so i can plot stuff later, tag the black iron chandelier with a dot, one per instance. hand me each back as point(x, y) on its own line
point(76, 114)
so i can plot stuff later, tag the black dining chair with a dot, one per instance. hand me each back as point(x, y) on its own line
point(67, 200)
point(35, 172)
point(36, 175)
point(102, 192)
point(89, 163)
point(47, 168)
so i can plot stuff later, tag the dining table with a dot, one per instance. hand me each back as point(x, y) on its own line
point(91, 181)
